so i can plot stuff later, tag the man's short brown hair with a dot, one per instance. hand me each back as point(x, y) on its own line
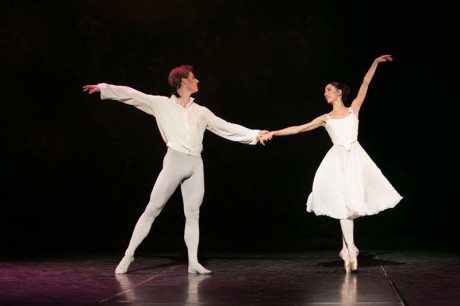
point(177, 74)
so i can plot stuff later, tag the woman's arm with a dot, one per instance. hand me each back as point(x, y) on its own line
point(358, 101)
point(295, 129)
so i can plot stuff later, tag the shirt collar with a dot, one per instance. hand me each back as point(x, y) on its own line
point(174, 99)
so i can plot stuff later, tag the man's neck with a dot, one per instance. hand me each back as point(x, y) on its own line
point(184, 98)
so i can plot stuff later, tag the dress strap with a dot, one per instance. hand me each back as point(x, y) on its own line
point(328, 116)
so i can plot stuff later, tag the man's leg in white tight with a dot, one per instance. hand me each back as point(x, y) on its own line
point(165, 185)
point(192, 194)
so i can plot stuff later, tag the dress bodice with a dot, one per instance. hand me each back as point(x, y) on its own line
point(348, 184)
point(343, 131)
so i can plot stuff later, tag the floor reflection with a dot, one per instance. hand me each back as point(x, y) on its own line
point(194, 281)
point(349, 288)
point(126, 286)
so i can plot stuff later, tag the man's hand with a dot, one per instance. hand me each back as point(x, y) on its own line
point(265, 136)
point(91, 88)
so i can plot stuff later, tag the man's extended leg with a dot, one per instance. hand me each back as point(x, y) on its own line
point(165, 185)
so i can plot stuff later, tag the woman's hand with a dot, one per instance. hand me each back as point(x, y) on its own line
point(265, 137)
point(384, 58)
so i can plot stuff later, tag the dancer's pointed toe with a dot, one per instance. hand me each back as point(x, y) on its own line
point(123, 266)
point(354, 265)
point(350, 259)
point(347, 266)
point(346, 263)
point(354, 259)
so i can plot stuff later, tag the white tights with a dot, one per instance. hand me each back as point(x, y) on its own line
point(349, 250)
point(186, 170)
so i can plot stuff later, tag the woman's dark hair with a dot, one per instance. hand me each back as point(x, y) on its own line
point(176, 75)
point(344, 88)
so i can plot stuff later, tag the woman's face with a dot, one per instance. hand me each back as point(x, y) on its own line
point(331, 93)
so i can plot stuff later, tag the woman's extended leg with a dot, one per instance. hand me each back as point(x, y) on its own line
point(349, 251)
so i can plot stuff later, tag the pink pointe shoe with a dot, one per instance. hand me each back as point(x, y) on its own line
point(354, 260)
point(349, 265)
point(346, 262)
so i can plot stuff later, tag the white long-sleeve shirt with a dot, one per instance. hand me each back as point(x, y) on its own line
point(182, 129)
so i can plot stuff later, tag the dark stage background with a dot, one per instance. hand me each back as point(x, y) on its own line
point(77, 172)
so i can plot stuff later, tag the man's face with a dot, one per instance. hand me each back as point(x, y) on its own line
point(191, 83)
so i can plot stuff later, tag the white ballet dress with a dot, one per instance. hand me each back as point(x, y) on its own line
point(348, 184)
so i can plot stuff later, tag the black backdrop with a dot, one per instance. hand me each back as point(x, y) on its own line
point(77, 172)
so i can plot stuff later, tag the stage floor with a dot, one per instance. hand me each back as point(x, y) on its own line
point(385, 277)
